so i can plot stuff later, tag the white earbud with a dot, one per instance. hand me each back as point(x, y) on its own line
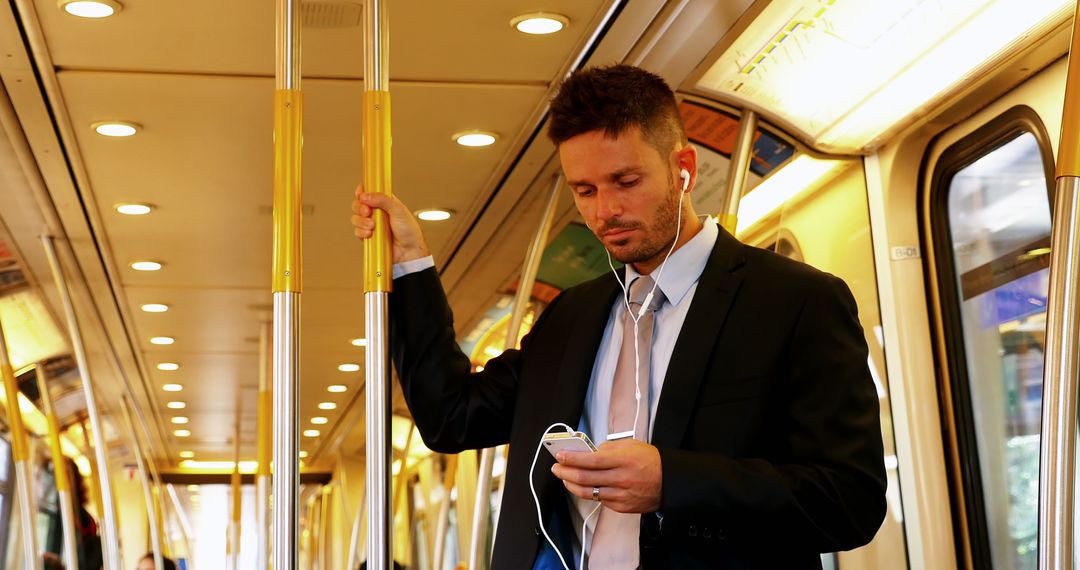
point(685, 175)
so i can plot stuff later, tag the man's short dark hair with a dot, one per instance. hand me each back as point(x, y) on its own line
point(614, 99)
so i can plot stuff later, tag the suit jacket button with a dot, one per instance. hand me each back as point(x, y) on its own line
point(536, 530)
point(707, 533)
point(692, 531)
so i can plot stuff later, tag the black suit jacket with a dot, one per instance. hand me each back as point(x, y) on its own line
point(767, 424)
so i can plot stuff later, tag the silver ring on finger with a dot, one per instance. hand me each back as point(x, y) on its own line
point(596, 494)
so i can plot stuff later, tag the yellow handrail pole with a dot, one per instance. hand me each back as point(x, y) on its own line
point(91, 489)
point(60, 472)
point(265, 443)
point(237, 500)
point(738, 170)
point(144, 478)
point(288, 128)
point(110, 538)
point(24, 470)
point(377, 284)
point(1058, 442)
point(442, 527)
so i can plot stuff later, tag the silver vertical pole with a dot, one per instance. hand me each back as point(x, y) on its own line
point(739, 170)
point(288, 126)
point(1057, 461)
point(60, 471)
point(377, 284)
point(479, 557)
point(109, 534)
point(144, 478)
point(354, 537)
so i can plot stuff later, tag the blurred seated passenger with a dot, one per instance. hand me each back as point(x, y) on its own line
point(50, 561)
point(147, 563)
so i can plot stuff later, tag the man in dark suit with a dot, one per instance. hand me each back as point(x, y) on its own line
point(755, 438)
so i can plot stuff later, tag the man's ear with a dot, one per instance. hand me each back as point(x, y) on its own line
point(686, 159)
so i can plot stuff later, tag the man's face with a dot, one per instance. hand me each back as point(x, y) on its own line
point(626, 192)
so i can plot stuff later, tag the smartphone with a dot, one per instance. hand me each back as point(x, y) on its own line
point(567, 441)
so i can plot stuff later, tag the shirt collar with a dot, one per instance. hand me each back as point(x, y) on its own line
point(685, 265)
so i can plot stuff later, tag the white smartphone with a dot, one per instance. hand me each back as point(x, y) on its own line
point(567, 441)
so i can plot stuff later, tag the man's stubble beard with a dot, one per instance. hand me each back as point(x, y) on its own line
point(652, 245)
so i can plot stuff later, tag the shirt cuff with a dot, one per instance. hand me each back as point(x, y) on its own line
point(413, 266)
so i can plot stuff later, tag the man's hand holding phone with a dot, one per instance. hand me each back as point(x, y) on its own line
point(627, 472)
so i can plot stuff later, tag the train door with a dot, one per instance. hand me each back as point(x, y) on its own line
point(986, 219)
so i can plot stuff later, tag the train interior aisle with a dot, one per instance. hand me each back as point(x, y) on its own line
point(908, 147)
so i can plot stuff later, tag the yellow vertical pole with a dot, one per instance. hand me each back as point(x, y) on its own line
point(739, 170)
point(60, 471)
point(24, 469)
point(377, 283)
point(237, 500)
point(264, 442)
point(443, 524)
point(287, 284)
point(92, 489)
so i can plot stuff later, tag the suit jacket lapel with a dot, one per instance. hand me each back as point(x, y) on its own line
point(584, 343)
point(715, 292)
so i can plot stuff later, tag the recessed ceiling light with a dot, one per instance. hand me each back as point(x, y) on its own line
point(359, 342)
point(154, 308)
point(540, 23)
point(349, 367)
point(179, 420)
point(327, 406)
point(116, 128)
point(434, 214)
point(172, 388)
point(188, 455)
point(168, 366)
point(303, 454)
point(182, 433)
point(336, 388)
point(192, 488)
point(146, 265)
point(91, 8)
point(319, 420)
point(312, 433)
point(134, 209)
point(176, 405)
point(476, 138)
point(162, 340)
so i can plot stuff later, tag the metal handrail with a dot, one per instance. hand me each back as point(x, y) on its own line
point(110, 537)
point(60, 471)
point(24, 469)
point(739, 170)
point(144, 478)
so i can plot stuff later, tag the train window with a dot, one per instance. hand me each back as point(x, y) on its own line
point(991, 228)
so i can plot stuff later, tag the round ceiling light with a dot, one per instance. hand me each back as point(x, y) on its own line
point(172, 388)
point(115, 128)
point(336, 388)
point(312, 433)
point(180, 420)
point(154, 308)
point(188, 455)
point(303, 454)
point(168, 366)
point(359, 342)
point(319, 420)
point(182, 433)
point(476, 138)
point(176, 405)
point(162, 340)
point(146, 265)
point(540, 23)
point(434, 214)
point(91, 8)
point(327, 406)
point(349, 367)
point(134, 209)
